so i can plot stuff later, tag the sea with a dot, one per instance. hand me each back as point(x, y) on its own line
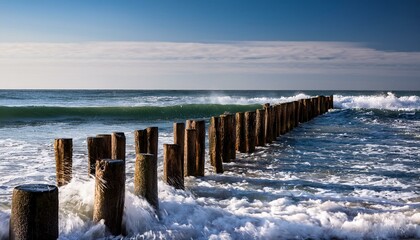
point(351, 173)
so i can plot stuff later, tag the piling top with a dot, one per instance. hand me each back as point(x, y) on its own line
point(36, 188)
point(64, 139)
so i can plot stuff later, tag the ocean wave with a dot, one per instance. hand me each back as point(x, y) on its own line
point(36, 113)
point(387, 101)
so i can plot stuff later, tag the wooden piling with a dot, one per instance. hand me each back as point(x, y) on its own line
point(179, 138)
point(249, 132)
point(260, 127)
point(331, 102)
point(283, 114)
point(318, 106)
point(118, 145)
point(34, 213)
point(96, 151)
point(240, 132)
point(63, 148)
point(278, 119)
point(110, 194)
point(297, 113)
point(140, 141)
point(307, 109)
point(152, 141)
point(200, 151)
point(292, 116)
point(215, 143)
point(310, 109)
point(107, 152)
point(145, 178)
point(225, 138)
point(190, 152)
point(267, 123)
point(172, 166)
point(289, 117)
point(232, 131)
point(273, 124)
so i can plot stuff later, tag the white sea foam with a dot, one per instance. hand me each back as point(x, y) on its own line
point(389, 101)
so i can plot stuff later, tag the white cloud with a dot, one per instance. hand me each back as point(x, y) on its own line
point(110, 61)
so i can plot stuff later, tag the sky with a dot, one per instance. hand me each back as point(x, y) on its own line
point(210, 44)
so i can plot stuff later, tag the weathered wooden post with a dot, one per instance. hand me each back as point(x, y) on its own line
point(297, 113)
point(215, 143)
point(283, 120)
point(190, 152)
point(225, 138)
point(310, 109)
point(96, 151)
point(34, 213)
point(145, 178)
point(200, 143)
point(288, 116)
point(274, 123)
point(63, 148)
point(292, 116)
point(250, 132)
point(179, 138)
point(314, 107)
point(107, 152)
point(301, 110)
point(110, 194)
point(331, 102)
point(232, 131)
point(240, 132)
point(118, 146)
point(260, 130)
point(317, 106)
point(267, 123)
point(278, 120)
point(152, 141)
point(307, 110)
point(140, 141)
point(172, 166)
point(321, 104)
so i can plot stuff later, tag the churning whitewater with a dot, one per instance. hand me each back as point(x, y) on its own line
point(352, 173)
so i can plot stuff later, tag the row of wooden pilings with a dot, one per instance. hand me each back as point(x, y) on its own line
point(34, 212)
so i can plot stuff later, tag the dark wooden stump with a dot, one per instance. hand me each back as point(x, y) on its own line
point(110, 194)
point(34, 213)
point(179, 138)
point(172, 166)
point(240, 132)
point(215, 143)
point(260, 127)
point(107, 152)
point(118, 145)
point(249, 132)
point(145, 178)
point(190, 152)
point(96, 151)
point(140, 141)
point(63, 148)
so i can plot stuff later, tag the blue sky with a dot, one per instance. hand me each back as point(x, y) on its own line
point(387, 30)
